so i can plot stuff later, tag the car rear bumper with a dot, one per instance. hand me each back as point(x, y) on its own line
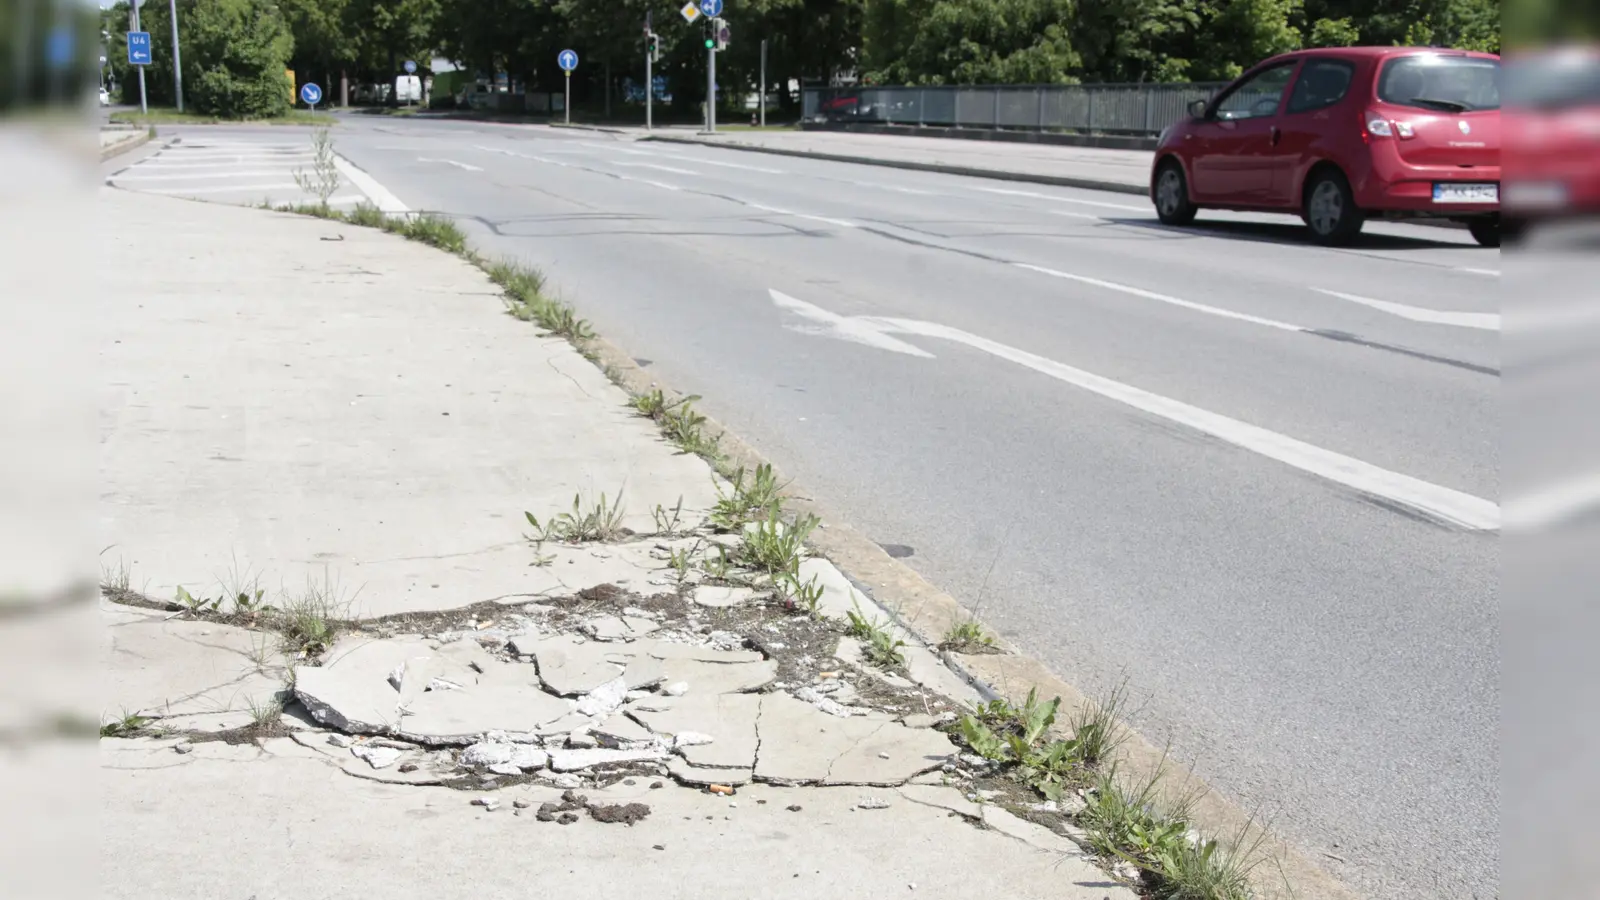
point(1412, 193)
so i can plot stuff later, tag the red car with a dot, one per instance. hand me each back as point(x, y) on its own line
point(1552, 168)
point(1341, 135)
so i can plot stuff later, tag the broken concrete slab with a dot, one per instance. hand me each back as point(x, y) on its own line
point(350, 691)
point(622, 729)
point(682, 770)
point(454, 717)
point(644, 672)
point(377, 757)
point(603, 700)
point(570, 667)
point(800, 744)
point(718, 597)
point(160, 666)
point(469, 652)
point(720, 678)
point(576, 760)
point(619, 628)
point(730, 720)
point(673, 651)
point(942, 797)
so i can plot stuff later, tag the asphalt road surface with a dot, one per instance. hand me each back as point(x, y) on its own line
point(1258, 478)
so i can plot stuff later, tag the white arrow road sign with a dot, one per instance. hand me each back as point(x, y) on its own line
point(1435, 501)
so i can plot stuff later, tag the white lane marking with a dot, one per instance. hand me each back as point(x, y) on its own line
point(1059, 199)
point(1492, 273)
point(193, 167)
point(1554, 504)
point(449, 162)
point(786, 212)
point(1436, 501)
point(695, 160)
point(847, 328)
point(552, 162)
point(202, 176)
point(1073, 215)
point(618, 149)
point(220, 190)
point(660, 184)
point(172, 156)
point(366, 184)
point(640, 165)
point(265, 145)
point(1482, 321)
point(1163, 298)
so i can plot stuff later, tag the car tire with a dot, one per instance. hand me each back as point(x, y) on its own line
point(1485, 231)
point(1173, 206)
point(1330, 210)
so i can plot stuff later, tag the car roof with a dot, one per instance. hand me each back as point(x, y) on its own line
point(1381, 52)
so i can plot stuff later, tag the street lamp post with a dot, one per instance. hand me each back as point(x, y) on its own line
point(177, 62)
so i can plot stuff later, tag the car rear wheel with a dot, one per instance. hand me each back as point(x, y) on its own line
point(1485, 231)
point(1173, 206)
point(1330, 210)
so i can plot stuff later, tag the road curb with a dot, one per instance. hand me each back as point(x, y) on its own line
point(135, 140)
point(1092, 184)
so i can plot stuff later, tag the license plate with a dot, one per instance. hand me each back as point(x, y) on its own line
point(1457, 192)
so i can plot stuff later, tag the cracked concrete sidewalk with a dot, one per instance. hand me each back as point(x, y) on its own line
point(297, 400)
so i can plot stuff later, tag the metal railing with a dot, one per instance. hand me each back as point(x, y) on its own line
point(1120, 109)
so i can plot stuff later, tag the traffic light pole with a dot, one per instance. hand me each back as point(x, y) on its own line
point(566, 103)
point(649, 81)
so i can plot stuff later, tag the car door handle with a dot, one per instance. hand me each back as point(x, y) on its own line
point(1274, 134)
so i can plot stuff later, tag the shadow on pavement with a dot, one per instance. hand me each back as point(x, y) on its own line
point(1288, 232)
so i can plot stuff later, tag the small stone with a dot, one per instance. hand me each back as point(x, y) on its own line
point(656, 785)
point(676, 689)
point(408, 767)
point(795, 808)
point(873, 803)
point(377, 757)
point(883, 756)
point(691, 739)
point(507, 769)
point(659, 847)
point(522, 803)
point(487, 754)
point(341, 740)
point(567, 818)
point(489, 804)
point(184, 747)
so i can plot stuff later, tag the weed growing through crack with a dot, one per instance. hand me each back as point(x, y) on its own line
point(966, 637)
point(116, 579)
point(1096, 728)
point(678, 561)
point(717, 567)
point(774, 546)
point(526, 300)
point(308, 622)
point(797, 597)
point(652, 405)
point(600, 522)
point(880, 647)
point(195, 605)
point(128, 725)
point(366, 215)
point(323, 178)
point(669, 522)
point(749, 501)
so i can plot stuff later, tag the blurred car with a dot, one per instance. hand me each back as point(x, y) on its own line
point(1341, 135)
point(1552, 167)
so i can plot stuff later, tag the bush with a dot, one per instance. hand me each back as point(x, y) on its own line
point(235, 53)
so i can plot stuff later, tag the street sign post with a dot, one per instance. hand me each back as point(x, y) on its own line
point(312, 95)
point(567, 60)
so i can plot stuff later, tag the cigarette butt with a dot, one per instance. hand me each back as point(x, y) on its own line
point(721, 789)
point(827, 674)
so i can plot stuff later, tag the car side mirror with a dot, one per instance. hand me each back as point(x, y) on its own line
point(1197, 108)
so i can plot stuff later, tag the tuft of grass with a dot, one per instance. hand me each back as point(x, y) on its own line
point(308, 622)
point(117, 579)
point(129, 725)
point(526, 300)
point(717, 567)
point(880, 647)
point(266, 712)
point(601, 521)
point(366, 215)
point(679, 421)
point(774, 546)
point(669, 522)
point(1096, 726)
point(173, 117)
point(966, 637)
point(652, 405)
point(428, 228)
point(797, 597)
point(749, 501)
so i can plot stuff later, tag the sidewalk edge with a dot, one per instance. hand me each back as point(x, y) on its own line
point(1092, 184)
point(927, 612)
point(139, 139)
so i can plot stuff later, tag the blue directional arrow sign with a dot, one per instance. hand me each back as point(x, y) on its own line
point(712, 8)
point(139, 53)
point(311, 94)
point(567, 60)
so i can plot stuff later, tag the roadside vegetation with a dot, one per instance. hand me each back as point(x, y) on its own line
point(173, 117)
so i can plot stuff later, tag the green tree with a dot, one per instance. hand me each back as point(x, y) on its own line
point(1334, 33)
point(234, 56)
point(966, 42)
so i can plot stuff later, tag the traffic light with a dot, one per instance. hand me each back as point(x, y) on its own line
point(654, 47)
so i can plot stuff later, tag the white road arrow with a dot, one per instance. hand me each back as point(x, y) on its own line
point(1435, 501)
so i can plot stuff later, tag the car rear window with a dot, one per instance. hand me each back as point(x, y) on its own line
point(1441, 83)
point(1556, 81)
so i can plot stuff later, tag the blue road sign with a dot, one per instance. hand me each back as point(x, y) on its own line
point(139, 48)
point(311, 94)
point(411, 67)
point(567, 60)
point(60, 47)
point(712, 8)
